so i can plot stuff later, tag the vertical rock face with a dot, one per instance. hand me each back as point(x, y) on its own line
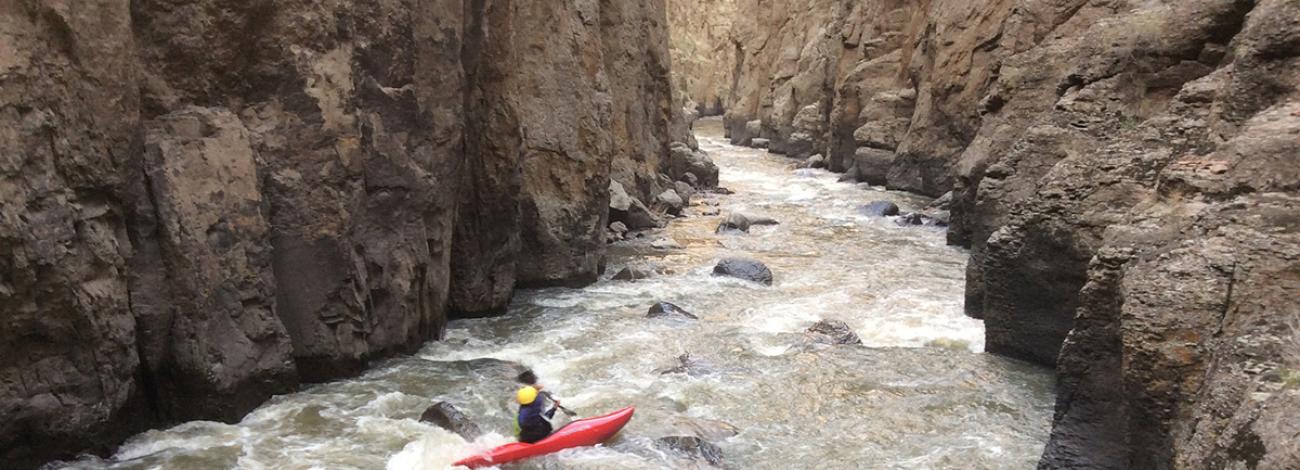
point(703, 55)
point(1123, 171)
point(207, 202)
point(66, 334)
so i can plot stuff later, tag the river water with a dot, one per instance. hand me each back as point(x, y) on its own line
point(918, 394)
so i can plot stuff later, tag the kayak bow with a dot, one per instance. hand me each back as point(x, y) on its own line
point(582, 432)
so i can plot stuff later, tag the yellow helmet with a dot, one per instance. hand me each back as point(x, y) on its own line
point(526, 395)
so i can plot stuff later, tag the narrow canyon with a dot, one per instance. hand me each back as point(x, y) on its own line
point(972, 234)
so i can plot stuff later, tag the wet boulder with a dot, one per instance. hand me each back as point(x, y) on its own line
point(672, 202)
point(832, 332)
point(815, 161)
point(760, 143)
point(446, 416)
point(685, 190)
point(744, 268)
point(760, 220)
point(734, 223)
point(879, 209)
point(939, 219)
point(632, 273)
point(685, 160)
point(629, 210)
point(722, 190)
point(692, 447)
point(943, 203)
point(665, 309)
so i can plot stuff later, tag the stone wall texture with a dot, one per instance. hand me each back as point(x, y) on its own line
point(209, 202)
point(1125, 173)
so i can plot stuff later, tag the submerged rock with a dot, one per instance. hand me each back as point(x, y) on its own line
point(760, 220)
point(879, 209)
point(744, 268)
point(446, 416)
point(693, 447)
point(832, 332)
point(665, 309)
point(665, 244)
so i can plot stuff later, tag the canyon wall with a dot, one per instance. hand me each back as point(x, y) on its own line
point(207, 203)
point(1124, 173)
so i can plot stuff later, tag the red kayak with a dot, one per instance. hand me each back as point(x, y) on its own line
point(583, 432)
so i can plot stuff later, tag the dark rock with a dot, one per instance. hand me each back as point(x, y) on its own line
point(744, 268)
point(734, 223)
point(684, 160)
point(632, 273)
point(618, 227)
point(671, 202)
point(691, 179)
point(832, 332)
point(665, 309)
point(685, 190)
point(629, 210)
point(692, 447)
point(873, 165)
point(760, 143)
point(446, 416)
point(879, 209)
point(942, 203)
point(722, 190)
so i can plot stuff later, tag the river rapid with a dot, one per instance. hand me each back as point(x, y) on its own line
point(919, 393)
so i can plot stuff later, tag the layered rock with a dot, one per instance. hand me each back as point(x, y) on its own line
point(207, 202)
point(703, 56)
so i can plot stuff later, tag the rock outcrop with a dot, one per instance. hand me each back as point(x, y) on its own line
point(207, 202)
point(1123, 172)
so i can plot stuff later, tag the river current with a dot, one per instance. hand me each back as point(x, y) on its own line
point(919, 393)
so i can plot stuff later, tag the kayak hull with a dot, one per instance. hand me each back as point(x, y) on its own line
point(580, 433)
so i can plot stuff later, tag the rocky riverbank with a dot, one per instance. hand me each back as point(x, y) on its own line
point(207, 203)
point(1123, 172)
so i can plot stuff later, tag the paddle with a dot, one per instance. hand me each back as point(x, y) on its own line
point(527, 377)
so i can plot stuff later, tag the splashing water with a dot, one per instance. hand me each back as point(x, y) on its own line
point(918, 394)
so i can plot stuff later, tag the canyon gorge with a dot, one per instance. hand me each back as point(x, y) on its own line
point(209, 203)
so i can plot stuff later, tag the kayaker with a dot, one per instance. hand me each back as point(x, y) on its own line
point(532, 424)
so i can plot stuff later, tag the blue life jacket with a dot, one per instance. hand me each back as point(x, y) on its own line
point(532, 421)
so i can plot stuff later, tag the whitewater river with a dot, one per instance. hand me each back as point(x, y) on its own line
point(918, 394)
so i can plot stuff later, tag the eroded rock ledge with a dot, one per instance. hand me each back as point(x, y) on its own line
point(207, 202)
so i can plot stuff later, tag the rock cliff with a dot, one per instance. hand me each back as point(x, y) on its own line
point(1124, 172)
point(207, 202)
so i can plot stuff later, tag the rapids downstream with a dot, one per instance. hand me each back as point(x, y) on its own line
point(919, 394)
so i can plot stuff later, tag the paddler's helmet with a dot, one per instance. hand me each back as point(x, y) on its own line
point(526, 395)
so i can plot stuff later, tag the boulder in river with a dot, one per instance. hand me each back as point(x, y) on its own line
point(879, 209)
point(832, 332)
point(707, 429)
point(672, 202)
point(630, 210)
point(734, 223)
point(684, 160)
point(685, 190)
point(815, 161)
point(693, 447)
point(939, 219)
point(744, 268)
point(761, 220)
point(760, 143)
point(632, 273)
point(665, 309)
point(446, 416)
